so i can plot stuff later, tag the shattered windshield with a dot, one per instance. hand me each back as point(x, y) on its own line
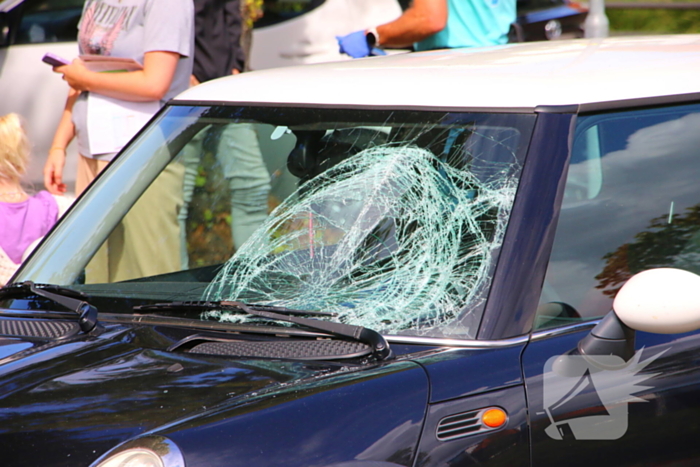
point(391, 220)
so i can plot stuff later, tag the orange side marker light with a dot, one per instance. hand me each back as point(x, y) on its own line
point(494, 418)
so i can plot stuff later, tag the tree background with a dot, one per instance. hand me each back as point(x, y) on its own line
point(657, 20)
point(663, 244)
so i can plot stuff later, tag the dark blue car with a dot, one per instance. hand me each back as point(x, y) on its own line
point(450, 258)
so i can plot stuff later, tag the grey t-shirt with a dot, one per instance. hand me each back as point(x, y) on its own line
point(130, 28)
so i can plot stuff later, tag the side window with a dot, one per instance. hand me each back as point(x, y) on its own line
point(631, 203)
point(48, 21)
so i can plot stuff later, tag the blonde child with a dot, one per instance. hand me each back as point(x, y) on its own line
point(24, 218)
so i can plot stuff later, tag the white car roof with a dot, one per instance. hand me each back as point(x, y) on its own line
point(509, 77)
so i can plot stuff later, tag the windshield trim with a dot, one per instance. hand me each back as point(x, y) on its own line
point(156, 320)
point(297, 332)
point(451, 342)
point(341, 106)
point(639, 102)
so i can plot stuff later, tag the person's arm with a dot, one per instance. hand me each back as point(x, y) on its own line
point(149, 84)
point(421, 20)
point(53, 169)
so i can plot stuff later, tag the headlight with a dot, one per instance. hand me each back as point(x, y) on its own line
point(147, 451)
point(133, 458)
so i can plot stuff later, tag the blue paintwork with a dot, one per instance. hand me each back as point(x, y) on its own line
point(371, 415)
point(68, 402)
point(79, 398)
point(525, 251)
point(666, 417)
point(464, 372)
point(508, 446)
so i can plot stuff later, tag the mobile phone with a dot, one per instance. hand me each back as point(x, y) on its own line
point(54, 60)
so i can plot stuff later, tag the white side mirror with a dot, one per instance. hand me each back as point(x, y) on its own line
point(663, 301)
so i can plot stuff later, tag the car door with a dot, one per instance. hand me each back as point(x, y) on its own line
point(27, 85)
point(631, 203)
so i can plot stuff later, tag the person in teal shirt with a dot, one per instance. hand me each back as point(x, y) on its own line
point(437, 24)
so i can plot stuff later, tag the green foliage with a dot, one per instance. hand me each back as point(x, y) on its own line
point(661, 21)
point(209, 216)
point(663, 244)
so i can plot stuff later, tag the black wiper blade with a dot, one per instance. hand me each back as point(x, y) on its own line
point(215, 305)
point(24, 287)
point(69, 298)
point(357, 333)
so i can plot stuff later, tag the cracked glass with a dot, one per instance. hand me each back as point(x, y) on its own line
point(388, 219)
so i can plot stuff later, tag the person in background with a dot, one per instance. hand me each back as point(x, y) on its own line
point(219, 52)
point(159, 34)
point(217, 40)
point(104, 110)
point(24, 219)
point(437, 24)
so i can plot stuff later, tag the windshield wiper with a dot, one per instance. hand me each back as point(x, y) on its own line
point(214, 305)
point(23, 287)
point(358, 333)
point(69, 298)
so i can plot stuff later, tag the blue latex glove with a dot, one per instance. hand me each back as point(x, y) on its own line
point(354, 44)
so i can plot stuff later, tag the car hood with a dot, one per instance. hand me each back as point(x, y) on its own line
point(74, 398)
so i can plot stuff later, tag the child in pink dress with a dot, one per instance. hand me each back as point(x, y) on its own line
point(24, 219)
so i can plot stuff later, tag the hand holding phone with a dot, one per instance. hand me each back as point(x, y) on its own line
point(54, 60)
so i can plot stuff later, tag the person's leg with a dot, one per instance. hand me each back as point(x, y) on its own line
point(96, 271)
point(239, 154)
point(189, 157)
point(87, 171)
point(147, 242)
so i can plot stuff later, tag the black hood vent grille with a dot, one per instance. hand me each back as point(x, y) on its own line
point(36, 328)
point(322, 349)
